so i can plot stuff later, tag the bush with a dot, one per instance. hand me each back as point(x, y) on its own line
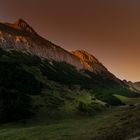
point(90, 108)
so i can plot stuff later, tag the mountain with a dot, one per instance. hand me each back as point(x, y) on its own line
point(36, 74)
point(22, 37)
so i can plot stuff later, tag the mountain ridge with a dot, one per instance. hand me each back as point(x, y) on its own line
point(26, 39)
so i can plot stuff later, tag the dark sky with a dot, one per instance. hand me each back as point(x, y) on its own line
point(110, 29)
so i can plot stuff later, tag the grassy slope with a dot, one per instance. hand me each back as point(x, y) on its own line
point(114, 124)
point(129, 101)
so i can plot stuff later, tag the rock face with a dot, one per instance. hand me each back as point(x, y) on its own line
point(22, 37)
point(89, 61)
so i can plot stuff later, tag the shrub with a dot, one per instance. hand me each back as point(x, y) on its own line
point(90, 108)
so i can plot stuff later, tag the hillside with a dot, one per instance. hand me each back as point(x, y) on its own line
point(53, 88)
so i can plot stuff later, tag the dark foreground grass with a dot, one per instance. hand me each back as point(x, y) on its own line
point(121, 123)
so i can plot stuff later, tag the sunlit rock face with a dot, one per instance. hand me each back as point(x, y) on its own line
point(89, 61)
point(20, 36)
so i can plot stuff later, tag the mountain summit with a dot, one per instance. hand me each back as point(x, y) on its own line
point(22, 26)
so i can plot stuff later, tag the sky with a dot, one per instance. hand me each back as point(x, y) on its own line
point(109, 29)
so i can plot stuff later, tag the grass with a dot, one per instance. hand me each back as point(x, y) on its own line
point(114, 124)
point(128, 101)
